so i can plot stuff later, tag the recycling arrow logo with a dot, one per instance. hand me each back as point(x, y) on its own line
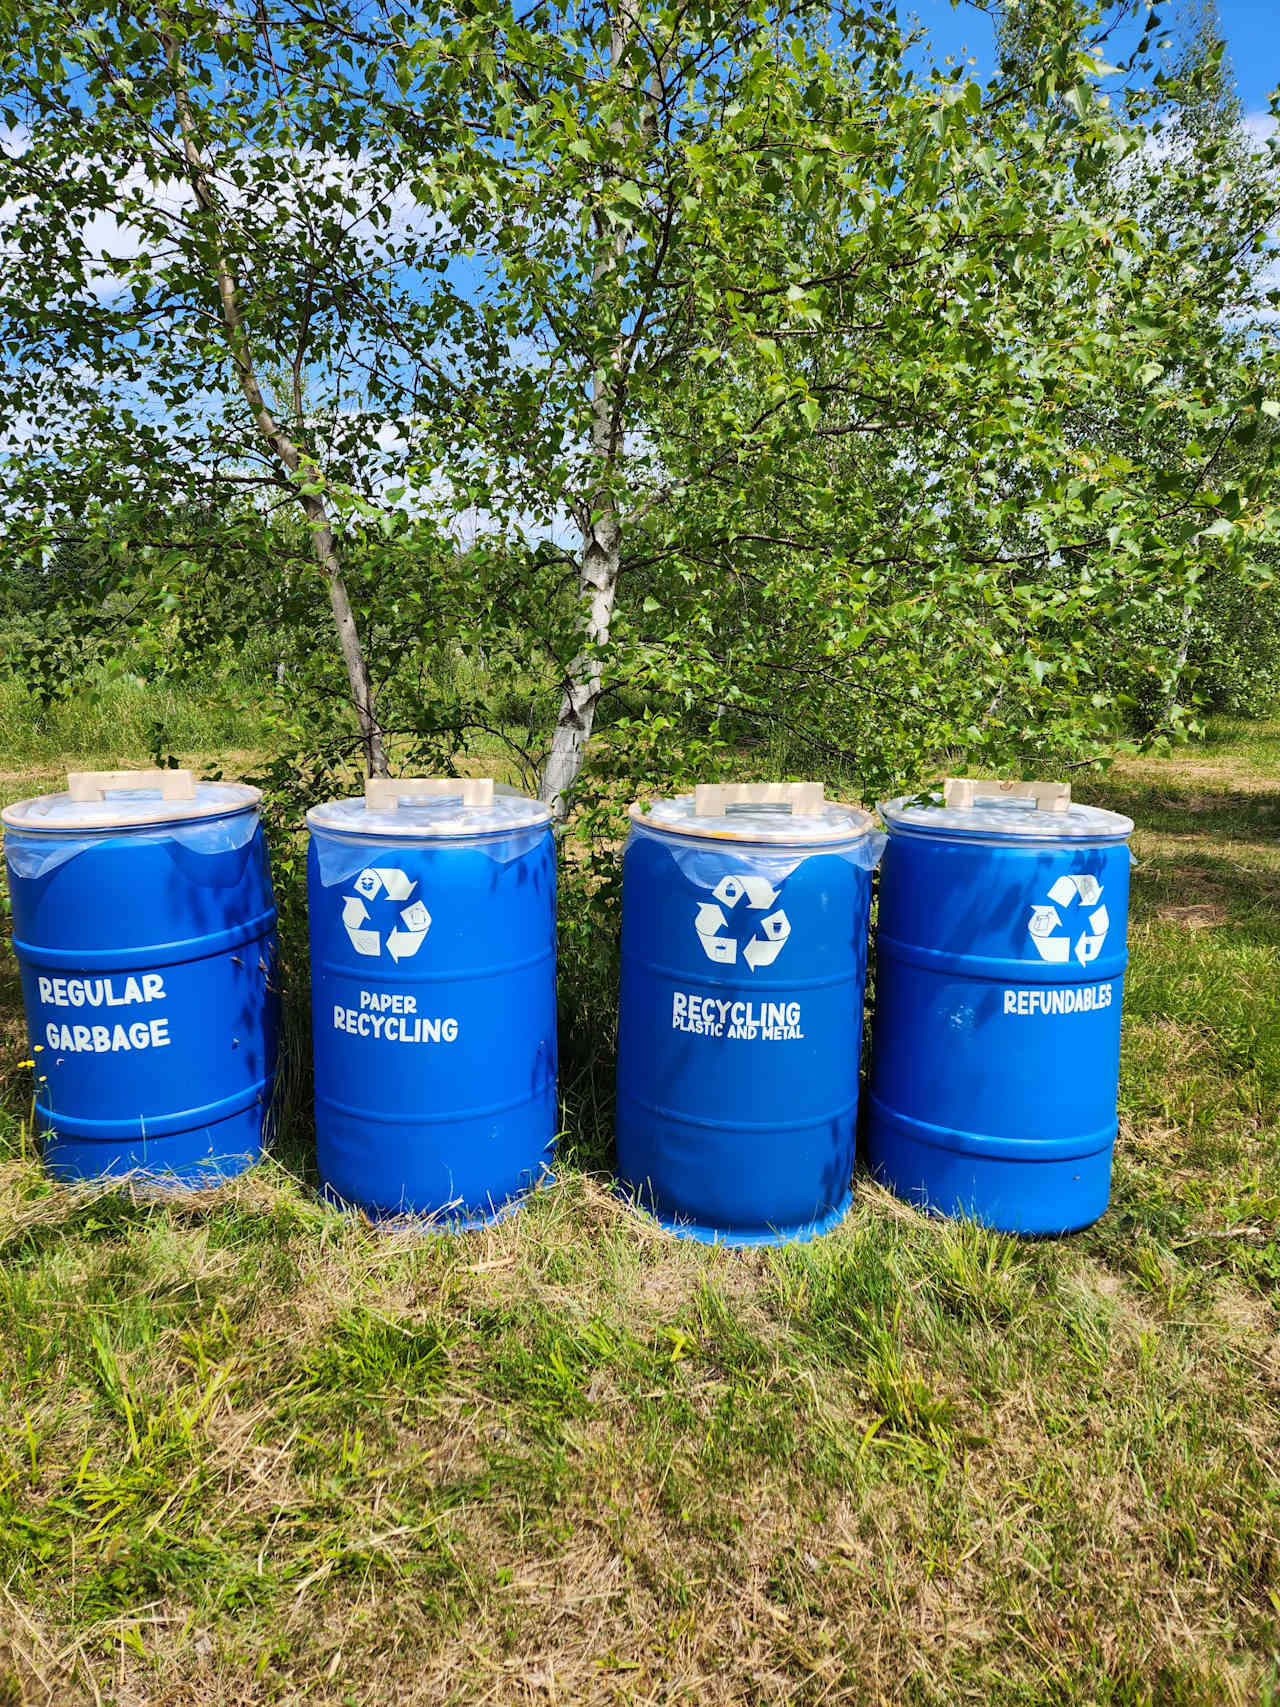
point(767, 940)
point(1075, 893)
point(381, 885)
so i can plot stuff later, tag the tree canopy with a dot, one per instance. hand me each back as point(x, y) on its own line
point(783, 389)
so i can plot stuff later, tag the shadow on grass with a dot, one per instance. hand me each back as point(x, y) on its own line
point(1234, 884)
point(1206, 892)
point(1173, 808)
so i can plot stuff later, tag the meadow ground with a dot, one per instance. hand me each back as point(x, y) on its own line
point(252, 1451)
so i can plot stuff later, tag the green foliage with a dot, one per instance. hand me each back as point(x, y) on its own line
point(797, 404)
point(1233, 649)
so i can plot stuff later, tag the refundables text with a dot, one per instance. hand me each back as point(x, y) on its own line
point(1066, 999)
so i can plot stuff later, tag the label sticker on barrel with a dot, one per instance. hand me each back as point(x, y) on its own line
point(101, 995)
point(770, 926)
point(374, 917)
point(1056, 938)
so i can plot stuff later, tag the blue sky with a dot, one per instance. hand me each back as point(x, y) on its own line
point(1251, 28)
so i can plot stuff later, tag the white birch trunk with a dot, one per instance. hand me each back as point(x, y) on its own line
point(1180, 663)
point(324, 543)
point(601, 531)
point(598, 587)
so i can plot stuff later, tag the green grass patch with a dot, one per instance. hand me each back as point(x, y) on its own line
point(121, 718)
point(254, 1451)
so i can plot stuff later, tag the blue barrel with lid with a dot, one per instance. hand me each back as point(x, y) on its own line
point(744, 953)
point(433, 982)
point(1000, 957)
point(144, 928)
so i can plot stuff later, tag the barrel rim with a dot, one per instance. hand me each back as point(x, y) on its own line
point(99, 818)
point(791, 832)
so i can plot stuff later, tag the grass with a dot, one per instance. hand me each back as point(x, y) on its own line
point(251, 1451)
point(118, 714)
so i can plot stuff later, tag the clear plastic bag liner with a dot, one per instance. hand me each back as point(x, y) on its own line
point(33, 855)
point(127, 808)
point(703, 863)
point(438, 818)
point(340, 857)
point(992, 818)
point(762, 822)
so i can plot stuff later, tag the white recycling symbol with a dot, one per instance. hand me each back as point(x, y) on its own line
point(1045, 925)
point(773, 929)
point(412, 923)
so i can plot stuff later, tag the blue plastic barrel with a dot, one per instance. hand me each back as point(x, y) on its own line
point(1000, 957)
point(144, 927)
point(744, 952)
point(432, 912)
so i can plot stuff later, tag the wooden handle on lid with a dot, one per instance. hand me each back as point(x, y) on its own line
point(803, 799)
point(962, 791)
point(384, 793)
point(85, 786)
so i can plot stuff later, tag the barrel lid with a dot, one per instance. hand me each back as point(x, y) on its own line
point(780, 814)
point(997, 816)
point(430, 809)
point(119, 800)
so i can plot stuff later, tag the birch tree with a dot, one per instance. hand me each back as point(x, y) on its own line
point(210, 260)
point(804, 377)
point(622, 187)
